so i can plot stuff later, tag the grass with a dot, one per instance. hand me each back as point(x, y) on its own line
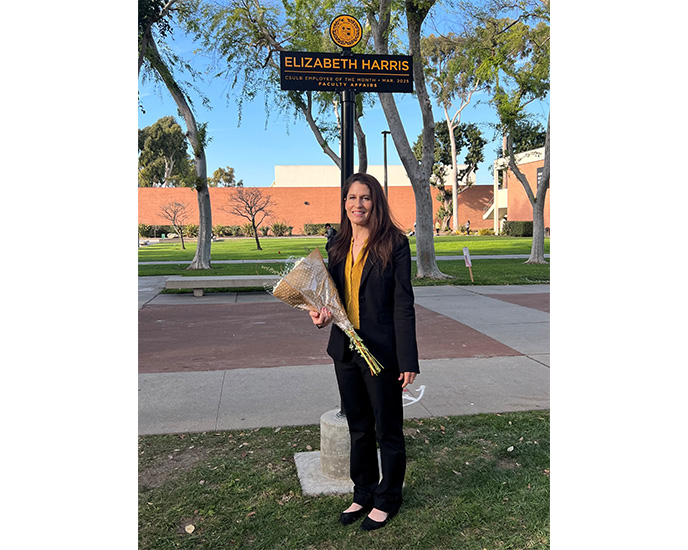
point(485, 271)
point(473, 482)
point(242, 248)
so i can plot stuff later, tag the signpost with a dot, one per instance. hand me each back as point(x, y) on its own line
point(339, 71)
point(348, 74)
point(467, 259)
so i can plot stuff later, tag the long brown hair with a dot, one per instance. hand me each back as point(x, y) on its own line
point(384, 233)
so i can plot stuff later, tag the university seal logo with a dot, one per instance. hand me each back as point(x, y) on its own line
point(346, 31)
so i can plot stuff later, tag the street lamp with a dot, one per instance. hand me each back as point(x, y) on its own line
point(384, 140)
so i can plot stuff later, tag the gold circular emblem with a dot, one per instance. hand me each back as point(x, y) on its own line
point(346, 31)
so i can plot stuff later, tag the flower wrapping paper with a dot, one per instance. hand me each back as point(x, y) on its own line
point(308, 285)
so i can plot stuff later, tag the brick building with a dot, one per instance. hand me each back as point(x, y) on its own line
point(511, 198)
point(302, 195)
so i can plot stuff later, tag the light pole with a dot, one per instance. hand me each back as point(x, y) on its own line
point(384, 140)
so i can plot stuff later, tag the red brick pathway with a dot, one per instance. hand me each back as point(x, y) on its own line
point(231, 336)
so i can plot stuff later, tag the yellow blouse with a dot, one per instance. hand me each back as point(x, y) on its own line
point(352, 282)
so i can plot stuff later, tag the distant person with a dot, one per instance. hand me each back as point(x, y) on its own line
point(437, 227)
point(468, 227)
point(330, 232)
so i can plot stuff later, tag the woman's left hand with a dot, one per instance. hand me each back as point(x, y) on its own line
point(321, 318)
point(407, 378)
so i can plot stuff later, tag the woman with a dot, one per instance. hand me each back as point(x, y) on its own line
point(370, 263)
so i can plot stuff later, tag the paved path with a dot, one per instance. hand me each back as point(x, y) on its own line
point(245, 360)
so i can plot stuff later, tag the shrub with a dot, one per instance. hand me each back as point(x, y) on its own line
point(247, 230)
point(265, 230)
point(280, 229)
point(311, 228)
point(227, 231)
point(190, 230)
point(518, 229)
point(154, 230)
point(486, 231)
point(221, 231)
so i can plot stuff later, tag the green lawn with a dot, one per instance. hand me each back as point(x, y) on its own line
point(242, 248)
point(485, 271)
point(472, 482)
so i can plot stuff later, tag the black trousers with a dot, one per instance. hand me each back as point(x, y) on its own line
point(374, 412)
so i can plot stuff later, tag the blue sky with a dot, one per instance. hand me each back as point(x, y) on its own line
point(253, 149)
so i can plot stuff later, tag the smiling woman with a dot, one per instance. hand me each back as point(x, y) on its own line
point(370, 264)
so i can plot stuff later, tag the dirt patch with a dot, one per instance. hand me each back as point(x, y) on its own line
point(171, 466)
point(507, 464)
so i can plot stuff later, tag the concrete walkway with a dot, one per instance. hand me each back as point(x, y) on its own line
point(246, 360)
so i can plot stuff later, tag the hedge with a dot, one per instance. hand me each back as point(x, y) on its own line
point(518, 229)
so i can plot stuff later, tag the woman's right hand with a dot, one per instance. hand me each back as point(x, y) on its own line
point(321, 318)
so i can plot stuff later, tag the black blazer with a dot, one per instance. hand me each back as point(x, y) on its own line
point(386, 313)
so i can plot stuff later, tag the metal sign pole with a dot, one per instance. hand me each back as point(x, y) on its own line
point(384, 139)
point(348, 98)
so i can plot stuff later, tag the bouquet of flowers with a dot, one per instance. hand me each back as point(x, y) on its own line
point(307, 285)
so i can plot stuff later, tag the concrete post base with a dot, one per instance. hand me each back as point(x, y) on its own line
point(327, 471)
point(335, 445)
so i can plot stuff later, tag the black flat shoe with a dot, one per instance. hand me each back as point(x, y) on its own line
point(347, 518)
point(371, 525)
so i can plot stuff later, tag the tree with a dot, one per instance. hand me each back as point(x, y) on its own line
point(446, 150)
point(224, 177)
point(517, 69)
point(155, 14)
point(245, 37)
point(251, 203)
point(176, 214)
point(163, 160)
point(380, 17)
point(452, 64)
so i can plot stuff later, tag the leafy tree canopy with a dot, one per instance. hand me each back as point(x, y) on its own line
point(526, 135)
point(224, 177)
point(163, 157)
point(466, 134)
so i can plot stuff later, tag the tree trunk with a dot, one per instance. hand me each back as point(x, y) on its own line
point(255, 235)
point(537, 250)
point(180, 230)
point(202, 257)
point(454, 172)
point(361, 144)
point(419, 174)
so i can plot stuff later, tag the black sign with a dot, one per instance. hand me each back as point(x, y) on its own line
point(337, 72)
